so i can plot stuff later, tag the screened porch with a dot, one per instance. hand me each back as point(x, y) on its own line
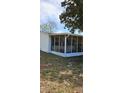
point(66, 44)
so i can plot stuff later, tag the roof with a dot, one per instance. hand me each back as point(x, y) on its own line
point(62, 33)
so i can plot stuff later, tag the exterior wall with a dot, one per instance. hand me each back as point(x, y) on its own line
point(44, 42)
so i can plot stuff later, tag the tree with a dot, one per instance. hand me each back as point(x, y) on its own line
point(72, 17)
point(48, 27)
point(45, 28)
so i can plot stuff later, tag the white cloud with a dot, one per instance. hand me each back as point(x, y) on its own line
point(50, 10)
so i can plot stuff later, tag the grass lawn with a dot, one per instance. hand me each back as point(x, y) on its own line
point(61, 75)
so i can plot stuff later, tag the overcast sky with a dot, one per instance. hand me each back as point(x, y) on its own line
point(50, 11)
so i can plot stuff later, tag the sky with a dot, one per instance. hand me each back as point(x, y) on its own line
point(50, 11)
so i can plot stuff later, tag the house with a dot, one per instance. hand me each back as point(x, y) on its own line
point(62, 44)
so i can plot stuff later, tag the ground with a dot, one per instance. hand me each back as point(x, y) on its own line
point(61, 75)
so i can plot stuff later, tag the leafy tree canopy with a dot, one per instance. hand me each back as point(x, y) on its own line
point(72, 17)
point(48, 27)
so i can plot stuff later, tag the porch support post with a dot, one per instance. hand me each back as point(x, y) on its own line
point(65, 45)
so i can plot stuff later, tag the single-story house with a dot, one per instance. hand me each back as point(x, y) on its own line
point(62, 44)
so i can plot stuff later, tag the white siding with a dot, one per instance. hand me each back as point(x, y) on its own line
point(44, 42)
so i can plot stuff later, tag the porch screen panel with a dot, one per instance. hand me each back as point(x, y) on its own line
point(52, 43)
point(68, 47)
point(80, 44)
point(56, 44)
point(74, 44)
point(62, 43)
